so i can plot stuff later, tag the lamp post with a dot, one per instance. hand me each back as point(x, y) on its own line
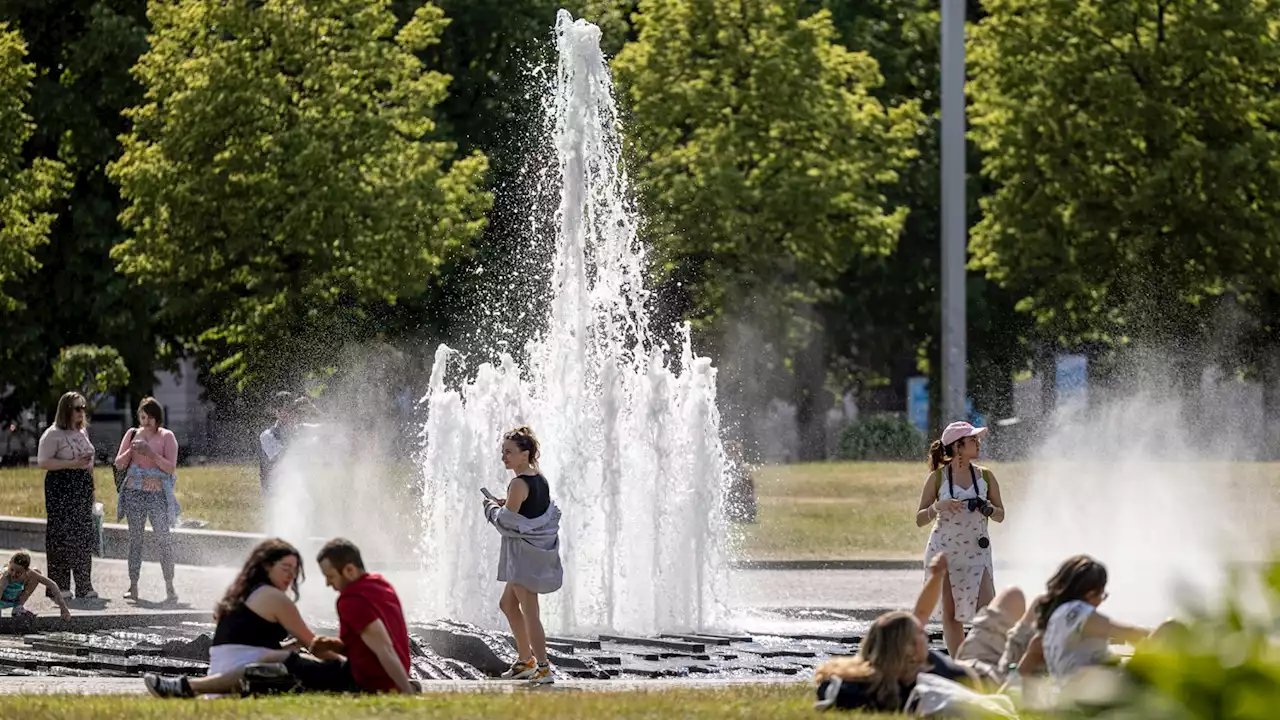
point(954, 229)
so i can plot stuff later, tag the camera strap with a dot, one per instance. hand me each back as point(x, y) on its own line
point(951, 484)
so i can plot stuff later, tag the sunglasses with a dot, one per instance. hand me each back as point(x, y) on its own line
point(78, 408)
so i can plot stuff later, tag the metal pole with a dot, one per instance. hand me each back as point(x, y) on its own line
point(954, 229)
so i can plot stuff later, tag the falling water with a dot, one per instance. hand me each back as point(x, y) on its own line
point(1128, 484)
point(630, 438)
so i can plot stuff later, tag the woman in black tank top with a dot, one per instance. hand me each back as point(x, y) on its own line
point(528, 495)
point(243, 626)
point(539, 497)
point(254, 617)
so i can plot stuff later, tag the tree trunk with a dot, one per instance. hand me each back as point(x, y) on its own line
point(1270, 375)
point(1045, 366)
point(812, 400)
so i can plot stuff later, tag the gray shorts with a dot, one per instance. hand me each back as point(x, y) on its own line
point(993, 643)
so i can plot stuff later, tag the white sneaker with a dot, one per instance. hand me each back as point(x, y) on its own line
point(541, 676)
point(520, 670)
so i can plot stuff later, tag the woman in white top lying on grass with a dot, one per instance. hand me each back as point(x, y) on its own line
point(1073, 635)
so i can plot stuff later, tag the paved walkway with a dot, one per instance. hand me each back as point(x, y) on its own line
point(50, 685)
point(199, 588)
point(849, 589)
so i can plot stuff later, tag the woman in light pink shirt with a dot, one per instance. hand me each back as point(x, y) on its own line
point(150, 453)
point(67, 454)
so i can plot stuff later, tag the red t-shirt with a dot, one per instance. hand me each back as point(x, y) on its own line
point(359, 604)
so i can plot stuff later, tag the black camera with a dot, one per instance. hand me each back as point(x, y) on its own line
point(980, 505)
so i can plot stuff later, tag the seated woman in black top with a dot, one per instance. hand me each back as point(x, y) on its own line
point(254, 618)
point(896, 649)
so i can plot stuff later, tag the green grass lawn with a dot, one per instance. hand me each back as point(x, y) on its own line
point(748, 701)
point(817, 510)
point(814, 510)
point(740, 702)
point(227, 496)
point(825, 510)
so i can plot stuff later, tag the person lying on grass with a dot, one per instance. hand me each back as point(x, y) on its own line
point(19, 581)
point(894, 652)
point(1000, 636)
point(1072, 635)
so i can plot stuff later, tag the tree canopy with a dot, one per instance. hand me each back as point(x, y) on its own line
point(257, 185)
point(282, 175)
point(26, 189)
point(1132, 145)
point(762, 156)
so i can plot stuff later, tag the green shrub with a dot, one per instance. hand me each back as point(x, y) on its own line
point(881, 437)
point(94, 371)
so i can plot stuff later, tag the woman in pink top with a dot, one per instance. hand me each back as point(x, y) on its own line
point(150, 452)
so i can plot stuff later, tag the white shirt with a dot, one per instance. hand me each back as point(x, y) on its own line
point(1066, 649)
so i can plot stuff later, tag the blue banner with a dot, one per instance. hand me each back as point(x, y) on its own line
point(918, 402)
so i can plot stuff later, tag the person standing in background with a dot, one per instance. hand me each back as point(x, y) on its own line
point(150, 453)
point(272, 441)
point(959, 497)
point(66, 453)
point(529, 563)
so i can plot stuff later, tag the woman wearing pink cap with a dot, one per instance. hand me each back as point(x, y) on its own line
point(959, 498)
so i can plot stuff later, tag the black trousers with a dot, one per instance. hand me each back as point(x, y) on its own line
point(69, 533)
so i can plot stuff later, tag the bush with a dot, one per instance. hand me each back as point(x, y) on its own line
point(93, 371)
point(881, 437)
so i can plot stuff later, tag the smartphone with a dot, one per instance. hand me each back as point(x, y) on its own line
point(486, 493)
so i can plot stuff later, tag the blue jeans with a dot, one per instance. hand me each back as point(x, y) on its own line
point(139, 506)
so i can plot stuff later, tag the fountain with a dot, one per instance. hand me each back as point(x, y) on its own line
point(1139, 495)
point(629, 432)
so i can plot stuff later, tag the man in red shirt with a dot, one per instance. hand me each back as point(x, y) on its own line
point(371, 631)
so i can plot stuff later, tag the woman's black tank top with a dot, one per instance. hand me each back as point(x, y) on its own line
point(539, 496)
point(243, 626)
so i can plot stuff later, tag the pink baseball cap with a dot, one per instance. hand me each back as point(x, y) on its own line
point(957, 430)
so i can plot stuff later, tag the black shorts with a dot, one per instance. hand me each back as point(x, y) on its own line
point(321, 675)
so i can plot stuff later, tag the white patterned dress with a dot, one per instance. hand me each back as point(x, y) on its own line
point(956, 534)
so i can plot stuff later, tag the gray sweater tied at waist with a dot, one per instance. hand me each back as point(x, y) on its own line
point(530, 555)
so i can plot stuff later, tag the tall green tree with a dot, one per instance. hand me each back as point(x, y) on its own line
point(763, 160)
point(1132, 145)
point(26, 189)
point(81, 52)
point(883, 322)
point(95, 372)
point(283, 185)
